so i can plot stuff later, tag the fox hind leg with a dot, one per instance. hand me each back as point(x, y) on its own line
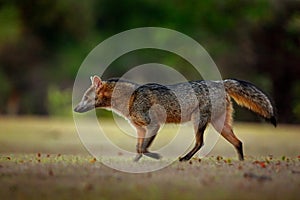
point(228, 134)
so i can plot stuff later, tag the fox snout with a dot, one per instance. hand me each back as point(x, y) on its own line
point(83, 107)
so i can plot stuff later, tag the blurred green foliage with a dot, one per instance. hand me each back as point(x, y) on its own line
point(42, 44)
point(10, 24)
point(59, 102)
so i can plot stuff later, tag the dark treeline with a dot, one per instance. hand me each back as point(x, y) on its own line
point(42, 44)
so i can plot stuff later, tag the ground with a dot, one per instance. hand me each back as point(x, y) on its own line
point(43, 158)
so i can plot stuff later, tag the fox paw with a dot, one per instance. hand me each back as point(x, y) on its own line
point(184, 159)
point(153, 155)
point(137, 157)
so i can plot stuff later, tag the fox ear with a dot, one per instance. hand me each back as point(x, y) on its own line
point(96, 81)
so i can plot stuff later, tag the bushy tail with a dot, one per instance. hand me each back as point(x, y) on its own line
point(248, 95)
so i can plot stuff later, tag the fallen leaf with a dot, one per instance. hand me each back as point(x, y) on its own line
point(219, 158)
point(262, 164)
point(271, 157)
point(229, 161)
point(93, 160)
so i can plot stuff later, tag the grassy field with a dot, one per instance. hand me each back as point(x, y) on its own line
point(43, 158)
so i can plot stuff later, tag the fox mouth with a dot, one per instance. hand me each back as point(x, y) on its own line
point(81, 109)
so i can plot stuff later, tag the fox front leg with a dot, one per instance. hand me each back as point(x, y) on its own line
point(145, 139)
point(147, 143)
point(150, 136)
point(140, 141)
point(141, 133)
point(137, 157)
point(142, 149)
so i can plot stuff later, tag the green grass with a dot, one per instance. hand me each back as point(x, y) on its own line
point(43, 158)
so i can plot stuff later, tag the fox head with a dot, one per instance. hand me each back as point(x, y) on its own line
point(97, 95)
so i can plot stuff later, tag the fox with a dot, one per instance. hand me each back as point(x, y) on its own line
point(202, 102)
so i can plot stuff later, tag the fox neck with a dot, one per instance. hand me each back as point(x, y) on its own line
point(121, 96)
